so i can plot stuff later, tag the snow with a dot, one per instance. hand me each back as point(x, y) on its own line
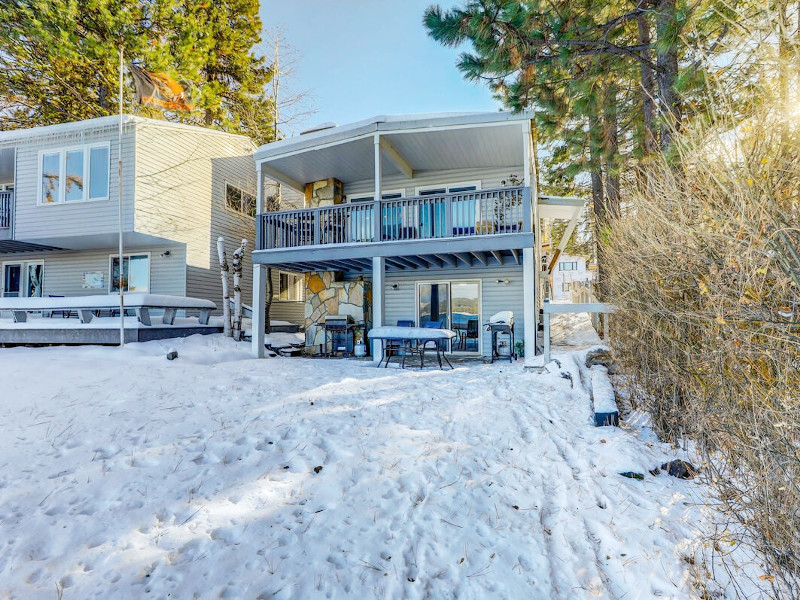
point(134, 300)
point(602, 392)
point(410, 333)
point(43, 322)
point(218, 476)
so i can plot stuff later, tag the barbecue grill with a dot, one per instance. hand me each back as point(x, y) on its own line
point(502, 327)
point(339, 331)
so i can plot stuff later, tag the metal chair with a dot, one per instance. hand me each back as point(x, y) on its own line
point(393, 347)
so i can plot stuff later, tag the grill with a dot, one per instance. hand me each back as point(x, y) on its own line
point(502, 327)
point(339, 334)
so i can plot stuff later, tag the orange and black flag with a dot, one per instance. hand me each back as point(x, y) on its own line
point(159, 89)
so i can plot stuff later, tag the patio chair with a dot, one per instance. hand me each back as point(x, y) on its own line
point(395, 347)
point(471, 334)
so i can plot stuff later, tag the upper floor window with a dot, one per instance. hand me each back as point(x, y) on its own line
point(74, 174)
point(239, 200)
point(568, 265)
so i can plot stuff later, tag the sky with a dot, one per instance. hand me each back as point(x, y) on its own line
point(361, 58)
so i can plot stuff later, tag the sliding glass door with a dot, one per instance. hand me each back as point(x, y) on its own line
point(23, 279)
point(456, 304)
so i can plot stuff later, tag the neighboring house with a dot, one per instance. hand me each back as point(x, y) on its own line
point(183, 187)
point(570, 273)
point(421, 218)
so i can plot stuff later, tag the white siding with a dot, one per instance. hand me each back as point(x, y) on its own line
point(63, 271)
point(35, 222)
point(401, 303)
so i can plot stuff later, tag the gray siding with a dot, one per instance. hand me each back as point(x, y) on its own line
point(63, 271)
point(282, 310)
point(35, 222)
point(180, 195)
point(489, 178)
point(401, 303)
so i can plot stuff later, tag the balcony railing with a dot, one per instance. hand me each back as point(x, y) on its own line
point(482, 212)
point(6, 202)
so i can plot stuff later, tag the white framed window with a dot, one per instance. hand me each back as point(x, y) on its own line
point(466, 211)
point(291, 287)
point(75, 174)
point(240, 200)
point(568, 265)
point(449, 188)
point(135, 273)
point(22, 279)
point(385, 195)
point(565, 286)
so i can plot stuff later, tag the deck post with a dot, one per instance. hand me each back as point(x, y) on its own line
point(529, 301)
point(378, 301)
point(259, 307)
point(378, 214)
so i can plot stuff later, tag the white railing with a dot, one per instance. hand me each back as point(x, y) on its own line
point(593, 309)
point(6, 202)
point(483, 212)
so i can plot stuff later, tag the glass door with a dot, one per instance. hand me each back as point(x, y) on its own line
point(35, 272)
point(466, 315)
point(12, 275)
point(434, 304)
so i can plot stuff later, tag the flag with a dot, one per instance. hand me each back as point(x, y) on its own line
point(158, 89)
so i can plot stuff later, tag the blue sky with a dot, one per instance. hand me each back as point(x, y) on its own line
point(360, 58)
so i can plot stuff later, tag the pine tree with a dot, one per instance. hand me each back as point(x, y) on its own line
point(59, 60)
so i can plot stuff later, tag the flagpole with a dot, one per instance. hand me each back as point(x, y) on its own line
point(119, 194)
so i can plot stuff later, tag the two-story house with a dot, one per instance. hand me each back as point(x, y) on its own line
point(422, 218)
point(182, 188)
point(571, 274)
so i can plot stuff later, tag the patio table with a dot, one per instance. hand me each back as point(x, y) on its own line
point(421, 336)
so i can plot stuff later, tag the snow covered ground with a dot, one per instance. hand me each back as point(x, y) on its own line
point(124, 475)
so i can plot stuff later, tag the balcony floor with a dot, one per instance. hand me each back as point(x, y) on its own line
point(440, 253)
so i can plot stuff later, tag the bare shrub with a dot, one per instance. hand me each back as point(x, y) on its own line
point(706, 274)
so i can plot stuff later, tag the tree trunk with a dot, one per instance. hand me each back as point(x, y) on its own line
point(223, 270)
point(237, 291)
point(270, 295)
point(648, 89)
point(667, 32)
point(611, 151)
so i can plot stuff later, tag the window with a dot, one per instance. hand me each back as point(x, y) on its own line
point(291, 287)
point(23, 279)
point(568, 266)
point(74, 174)
point(135, 273)
point(239, 200)
point(465, 210)
point(566, 286)
point(361, 219)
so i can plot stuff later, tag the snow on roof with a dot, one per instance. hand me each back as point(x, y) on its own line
point(386, 124)
point(100, 123)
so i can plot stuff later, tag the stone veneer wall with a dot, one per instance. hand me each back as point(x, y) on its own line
point(327, 192)
point(326, 296)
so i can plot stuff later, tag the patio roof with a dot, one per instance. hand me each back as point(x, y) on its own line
point(409, 144)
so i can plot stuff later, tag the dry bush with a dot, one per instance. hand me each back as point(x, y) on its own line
point(706, 274)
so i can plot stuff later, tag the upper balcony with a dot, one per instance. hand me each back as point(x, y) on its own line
point(465, 228)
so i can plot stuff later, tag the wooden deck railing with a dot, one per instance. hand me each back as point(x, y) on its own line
point(482, 212)
point(6, 202)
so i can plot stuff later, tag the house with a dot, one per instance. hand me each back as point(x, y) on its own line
point(571, 275)
point(419, 218)
point(182, 188)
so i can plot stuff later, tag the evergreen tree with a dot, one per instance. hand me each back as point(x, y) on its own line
point(59, 60)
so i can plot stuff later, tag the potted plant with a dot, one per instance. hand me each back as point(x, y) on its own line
point(359, 348)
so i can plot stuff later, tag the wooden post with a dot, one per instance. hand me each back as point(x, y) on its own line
point(529, 316)
point(378, 216)
point(259, 306)
point(378, 302)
